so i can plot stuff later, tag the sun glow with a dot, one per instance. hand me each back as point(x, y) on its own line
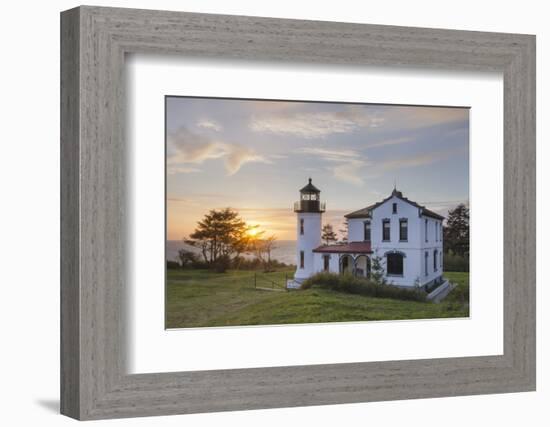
point(253, 231)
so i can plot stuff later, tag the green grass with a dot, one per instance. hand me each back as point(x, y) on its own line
point(198, 298)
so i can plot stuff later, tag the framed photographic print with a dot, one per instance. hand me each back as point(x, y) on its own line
point(261, 213)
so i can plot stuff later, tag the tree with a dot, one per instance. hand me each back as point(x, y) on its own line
point(186, 257)
point(328, 234)
point(263, 249)
point(344, 231)
point(377, 271)
point(221, 233)
point(456, 233)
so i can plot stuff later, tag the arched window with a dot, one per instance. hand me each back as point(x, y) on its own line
point(435, 260)
point(394, 263)
point(346, 264)
point(362, 266)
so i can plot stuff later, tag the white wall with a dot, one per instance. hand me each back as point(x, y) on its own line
point(404, 210)
point(414, 247)
point(29, 174)
point(318, 262)
point(356, 229)
point(306, 242)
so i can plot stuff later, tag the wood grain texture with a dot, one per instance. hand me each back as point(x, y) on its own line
point(94, 381)
point(70, 314)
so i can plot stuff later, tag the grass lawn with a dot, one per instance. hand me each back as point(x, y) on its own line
point(196, 298)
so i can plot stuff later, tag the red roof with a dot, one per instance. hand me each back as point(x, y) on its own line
point(346, 248)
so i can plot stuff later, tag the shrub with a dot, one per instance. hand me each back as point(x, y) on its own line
point(455, 262)
point(172, 265)
point(361, 286)
point(222, 264)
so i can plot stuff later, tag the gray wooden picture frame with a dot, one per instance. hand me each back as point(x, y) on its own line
point(94, 381)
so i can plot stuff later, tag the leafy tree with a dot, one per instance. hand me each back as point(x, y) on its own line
point(186, 257)
point(221, 233)
point(456, 233)
point(328, 234)
point(378, 270)
point(344, 231)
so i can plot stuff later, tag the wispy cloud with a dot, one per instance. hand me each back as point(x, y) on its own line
point(347, 164)
point(394, 141)
point(209, 124)
point(352, 118)
point(314, 124)
point(329, 154)
point(174, 169)
point(238, 155)
point(350, 172)
point(186, 147)
point(418, 160)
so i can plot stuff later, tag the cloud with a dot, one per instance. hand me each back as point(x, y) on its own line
point(175, 169)
point(349, 172)
point(239, 155)
point(312, 125)
point(209, 124)
point(330, 155)
point(394, 141)
point(347, 164)
point(186, 147)
point(419, 160)
point(351, 118)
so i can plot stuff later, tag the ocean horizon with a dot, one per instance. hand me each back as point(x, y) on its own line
point(284, 251)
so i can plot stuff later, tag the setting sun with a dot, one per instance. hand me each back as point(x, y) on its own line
point(253, 231)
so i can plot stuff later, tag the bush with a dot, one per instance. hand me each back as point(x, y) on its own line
point(172, 265)
point(222, 264)
point(454, 262)
point(360, 286)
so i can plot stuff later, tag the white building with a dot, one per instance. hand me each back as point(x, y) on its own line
point(407, 238)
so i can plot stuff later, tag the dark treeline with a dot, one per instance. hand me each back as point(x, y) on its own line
point(456, 240)
point(222, 264)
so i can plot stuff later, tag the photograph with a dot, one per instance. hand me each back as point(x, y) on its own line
point(292, 212)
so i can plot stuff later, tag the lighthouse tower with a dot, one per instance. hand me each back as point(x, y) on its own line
point(309, 210)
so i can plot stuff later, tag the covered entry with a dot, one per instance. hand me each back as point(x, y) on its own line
point(346, 264)
point(362, 266)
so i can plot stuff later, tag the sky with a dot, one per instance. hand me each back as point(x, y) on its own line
point(255, 155)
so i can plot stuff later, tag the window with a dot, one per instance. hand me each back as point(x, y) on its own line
point(403, 230)
point(301, 259)
point(426, 230)
point(394, 208)
point(301, 226)
point(435, 231)
point(386, 230)
point(367, 231)
point(308, 196)
point(394, 262)
point(435, 260)
point(326, 261)
point(425, 263)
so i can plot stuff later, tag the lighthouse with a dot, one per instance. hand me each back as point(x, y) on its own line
point(309, 210)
